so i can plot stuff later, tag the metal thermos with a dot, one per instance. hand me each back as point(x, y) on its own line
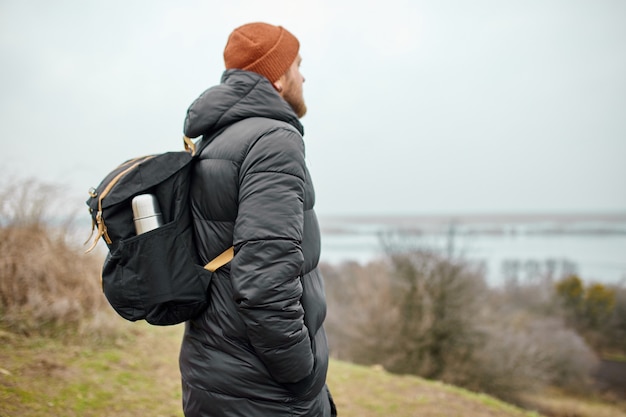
point(146, 213)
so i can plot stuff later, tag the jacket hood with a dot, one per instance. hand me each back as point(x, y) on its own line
point(241, 95)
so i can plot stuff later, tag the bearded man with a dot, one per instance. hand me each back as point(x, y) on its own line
point(260, 348)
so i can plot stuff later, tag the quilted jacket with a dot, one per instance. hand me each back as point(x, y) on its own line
point(260, 348)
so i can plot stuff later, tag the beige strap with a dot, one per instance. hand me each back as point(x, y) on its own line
point(221, 260)
point(189, 145)
point(102, 230)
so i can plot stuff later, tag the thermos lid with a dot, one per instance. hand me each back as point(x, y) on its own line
point(145, 205)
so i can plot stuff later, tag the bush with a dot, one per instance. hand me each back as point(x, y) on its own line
point(524, 353)
point(364, 315)
point(615, 339)
point(47, 284)
point(429, 313)
point(596, 311)
point(439, 300)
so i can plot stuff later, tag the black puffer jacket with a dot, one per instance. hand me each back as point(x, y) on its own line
point(260, 348)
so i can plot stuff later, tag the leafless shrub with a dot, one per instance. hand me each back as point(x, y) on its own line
point(430, 313)
point(365, 316)
point(31, 203)
point(524, 353)
point(47, 284)
point(440, 299)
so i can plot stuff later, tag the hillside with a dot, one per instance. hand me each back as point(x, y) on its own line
point(63, 352)
point(137, 374)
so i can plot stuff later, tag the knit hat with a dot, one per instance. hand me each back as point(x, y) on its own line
point(262, 48)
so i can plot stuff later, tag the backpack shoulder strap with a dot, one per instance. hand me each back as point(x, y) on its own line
point(190, 145)
point(221, 260)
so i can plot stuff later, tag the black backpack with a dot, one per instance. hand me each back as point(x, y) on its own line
point(157, 275)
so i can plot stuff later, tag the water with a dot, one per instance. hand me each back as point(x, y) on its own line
point(593, 246)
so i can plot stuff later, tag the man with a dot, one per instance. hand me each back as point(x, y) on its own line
point(260, 348)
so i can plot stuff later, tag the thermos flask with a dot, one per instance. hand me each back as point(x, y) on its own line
point(146, 213)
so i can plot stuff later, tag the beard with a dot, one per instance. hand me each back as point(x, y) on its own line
point(293, 96)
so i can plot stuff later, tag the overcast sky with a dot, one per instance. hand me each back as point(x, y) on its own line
point(434, 106)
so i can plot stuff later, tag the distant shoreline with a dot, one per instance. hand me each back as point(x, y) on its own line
point(499, 223)
point(593, 243)
point(613, 217)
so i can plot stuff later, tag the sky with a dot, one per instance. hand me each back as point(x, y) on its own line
point(415, 107)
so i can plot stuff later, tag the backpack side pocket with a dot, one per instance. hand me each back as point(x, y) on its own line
point(154, 276)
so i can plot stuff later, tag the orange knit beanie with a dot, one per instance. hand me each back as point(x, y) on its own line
point(262, 48)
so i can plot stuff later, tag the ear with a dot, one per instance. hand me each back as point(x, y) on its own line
point(279, 84)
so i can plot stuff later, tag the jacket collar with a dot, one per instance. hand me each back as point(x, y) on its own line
point(241, 95)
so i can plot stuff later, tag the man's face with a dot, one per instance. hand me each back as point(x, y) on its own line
point(291, 83)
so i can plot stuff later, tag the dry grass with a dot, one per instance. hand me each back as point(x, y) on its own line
point(47, 284)
point(554, 403)
point(373, 392)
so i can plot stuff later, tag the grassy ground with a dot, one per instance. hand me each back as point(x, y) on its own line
point(372, 392)
point(555, 403)
point(133, 375)
point(137, 374)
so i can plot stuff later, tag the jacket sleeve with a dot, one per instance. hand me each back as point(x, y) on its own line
point(265, 271)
